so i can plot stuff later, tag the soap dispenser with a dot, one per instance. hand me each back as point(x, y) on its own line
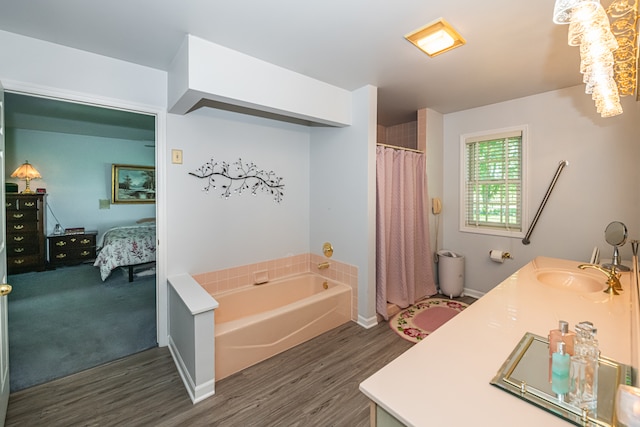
point(560, 366)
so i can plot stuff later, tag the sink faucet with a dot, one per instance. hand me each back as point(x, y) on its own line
point(613, 277)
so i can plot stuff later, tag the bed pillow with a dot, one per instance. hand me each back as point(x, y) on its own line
point(143, 220)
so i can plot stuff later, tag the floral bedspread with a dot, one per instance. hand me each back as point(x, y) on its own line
point(123, 246)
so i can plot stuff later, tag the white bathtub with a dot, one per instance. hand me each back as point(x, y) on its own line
point(256, 322)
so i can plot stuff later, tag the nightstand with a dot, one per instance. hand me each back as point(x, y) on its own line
point(72, 249)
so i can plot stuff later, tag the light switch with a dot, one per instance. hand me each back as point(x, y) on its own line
point(176, 156)
point(105, 204)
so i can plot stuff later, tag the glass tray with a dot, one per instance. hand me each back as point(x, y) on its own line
point(525, 374)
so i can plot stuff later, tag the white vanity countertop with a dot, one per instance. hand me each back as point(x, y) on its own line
point(444, 379)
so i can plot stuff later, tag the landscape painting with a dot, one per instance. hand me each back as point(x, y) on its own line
point(133, 184)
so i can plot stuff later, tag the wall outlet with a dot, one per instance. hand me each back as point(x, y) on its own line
point(105, 204)
point(176, 156)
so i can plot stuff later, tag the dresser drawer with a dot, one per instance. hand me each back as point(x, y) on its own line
point(73, 241)
point(26, 263)
point(74, 255)
point(14, 239)
point(21, 249)
point(23, 216)
point(21, 203)
point(22, 226)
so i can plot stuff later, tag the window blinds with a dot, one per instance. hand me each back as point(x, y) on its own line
point(493, 196)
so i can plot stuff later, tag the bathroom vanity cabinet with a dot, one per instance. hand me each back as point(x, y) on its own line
point(25, 221)
point(445, 379)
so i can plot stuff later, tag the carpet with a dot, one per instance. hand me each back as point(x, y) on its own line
point(68, 320)
point(417, 321)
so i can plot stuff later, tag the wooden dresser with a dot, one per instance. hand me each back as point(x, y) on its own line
point(26, 227)
point(72, 249)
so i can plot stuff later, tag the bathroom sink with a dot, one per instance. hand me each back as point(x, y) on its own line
point(574, 281)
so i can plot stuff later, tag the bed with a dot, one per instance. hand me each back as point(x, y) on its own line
point(127, 246)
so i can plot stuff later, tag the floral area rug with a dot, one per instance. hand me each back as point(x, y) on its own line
point(417, 321)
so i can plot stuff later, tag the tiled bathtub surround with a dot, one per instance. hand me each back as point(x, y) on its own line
point(402, 135)
point(237, 277)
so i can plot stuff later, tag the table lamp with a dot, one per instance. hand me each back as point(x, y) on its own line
point(26, 172)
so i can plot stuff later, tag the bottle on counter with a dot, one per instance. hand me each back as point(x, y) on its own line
point(562, 334)
point(583, 373)
point(560, 367)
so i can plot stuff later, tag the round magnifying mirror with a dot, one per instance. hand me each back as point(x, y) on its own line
point(616, 235)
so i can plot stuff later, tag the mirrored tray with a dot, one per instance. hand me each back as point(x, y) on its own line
point(525, 374)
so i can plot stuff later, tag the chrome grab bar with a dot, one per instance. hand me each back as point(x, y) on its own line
point(561, 166)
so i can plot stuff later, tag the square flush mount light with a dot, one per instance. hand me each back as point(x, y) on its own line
point(436, 38)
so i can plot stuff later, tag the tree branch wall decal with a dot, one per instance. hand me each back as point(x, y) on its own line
point(238, 177)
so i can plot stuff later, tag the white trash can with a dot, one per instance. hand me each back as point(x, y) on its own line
point(450, 273)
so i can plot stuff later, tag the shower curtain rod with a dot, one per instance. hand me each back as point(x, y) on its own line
point(395, 147)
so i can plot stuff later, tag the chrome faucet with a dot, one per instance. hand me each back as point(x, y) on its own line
point(613, 277)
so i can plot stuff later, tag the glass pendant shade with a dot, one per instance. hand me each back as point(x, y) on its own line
point(590, 29)
point(564, 10)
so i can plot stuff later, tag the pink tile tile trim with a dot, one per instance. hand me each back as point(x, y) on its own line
point(237, 277)
point(402, 135)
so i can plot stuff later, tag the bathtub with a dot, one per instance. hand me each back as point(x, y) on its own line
point(256, 322)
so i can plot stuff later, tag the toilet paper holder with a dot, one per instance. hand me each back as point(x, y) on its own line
point(505, 255)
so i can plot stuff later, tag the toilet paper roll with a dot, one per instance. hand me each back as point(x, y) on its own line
point(496, 256)
point(628, 405)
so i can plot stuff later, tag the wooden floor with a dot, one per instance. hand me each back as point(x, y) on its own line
point(313, 384)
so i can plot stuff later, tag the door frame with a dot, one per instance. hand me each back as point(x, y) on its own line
point(161, 205)
point(5, 381)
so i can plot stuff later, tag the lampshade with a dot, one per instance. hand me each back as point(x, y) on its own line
point(27, 172)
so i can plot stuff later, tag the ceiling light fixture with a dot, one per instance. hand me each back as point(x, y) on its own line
point(608, 50)
point(623, 15)
point(436, 38)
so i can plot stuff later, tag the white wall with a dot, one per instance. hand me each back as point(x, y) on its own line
point(249, 82)
point(208, 232)
point(600, 184)
point(435, 170)
point(76, 171)
point(49, 66)
point(343, 195)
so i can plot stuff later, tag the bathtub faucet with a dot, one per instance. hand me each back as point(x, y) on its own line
point(323, 265)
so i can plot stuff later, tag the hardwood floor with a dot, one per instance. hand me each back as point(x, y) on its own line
point(313, 384)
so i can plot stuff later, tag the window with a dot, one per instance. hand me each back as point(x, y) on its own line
point(492, 195)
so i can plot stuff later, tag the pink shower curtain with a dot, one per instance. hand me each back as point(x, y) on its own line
point(404, 273)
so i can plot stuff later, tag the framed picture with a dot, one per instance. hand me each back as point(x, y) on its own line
point(133, 184)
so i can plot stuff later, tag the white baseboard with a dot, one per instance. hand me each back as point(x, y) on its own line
point(367, 323)
point(196, 393)
point(473, 293)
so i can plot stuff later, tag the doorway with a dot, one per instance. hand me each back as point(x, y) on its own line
point(74, 145)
